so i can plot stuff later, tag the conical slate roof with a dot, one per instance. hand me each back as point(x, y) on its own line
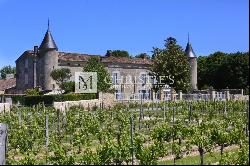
point(189, 51)
point(48, 42)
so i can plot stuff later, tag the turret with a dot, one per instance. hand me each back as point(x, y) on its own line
point(193, 65)
point(47, 61)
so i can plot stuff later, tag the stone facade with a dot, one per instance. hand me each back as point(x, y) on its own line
point(34, 68)
point(193, 73)
point(131, 74)
point(47, 61)
point(24, 72)
point(129, 79)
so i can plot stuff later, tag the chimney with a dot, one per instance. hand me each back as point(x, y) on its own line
point(34, 66)
point(35, 50)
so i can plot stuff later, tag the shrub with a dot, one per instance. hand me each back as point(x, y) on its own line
point(18, 98)
point(32, 91)
point(68, 86)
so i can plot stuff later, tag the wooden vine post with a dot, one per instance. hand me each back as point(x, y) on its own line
point(47, 136)
point(3, 143)
point(58, 122)
point(131, 138)
point(164, 111)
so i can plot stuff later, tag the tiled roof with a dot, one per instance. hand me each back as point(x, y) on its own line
point(48, 42)
point(126, 60)
point(7, 84)
point(106, 59)
point(76, 57)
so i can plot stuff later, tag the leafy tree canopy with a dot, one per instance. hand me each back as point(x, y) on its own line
point(32, 92)
point(117, 53)
point(7, 70)
point(143, 55)
point(171, 63)
point(103, 77)
point(68, 87)
point(221, 70)
point(60, 75)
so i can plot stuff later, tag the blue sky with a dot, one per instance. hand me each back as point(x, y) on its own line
point(94, 26)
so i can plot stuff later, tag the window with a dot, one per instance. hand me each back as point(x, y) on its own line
point(119, 95)
point(26, 78)
point(115, 77)
point(116, 94)
point(143, 94)
point(143, 78)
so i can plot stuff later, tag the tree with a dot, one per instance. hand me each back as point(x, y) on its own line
point(7, 70)
point(172, 65)
point(103, 77)
point(117, 53)
point(61, 75)
point(221, 70)
point(143, 56)
point(68, 86)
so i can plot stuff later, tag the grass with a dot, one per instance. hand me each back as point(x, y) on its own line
point(209, 158)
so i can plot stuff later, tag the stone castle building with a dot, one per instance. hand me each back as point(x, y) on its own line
point(33, 69)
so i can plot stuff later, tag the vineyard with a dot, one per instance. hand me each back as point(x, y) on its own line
point(144, 134)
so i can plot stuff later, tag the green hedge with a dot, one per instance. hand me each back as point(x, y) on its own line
point(15, 98)
point(49, 99)
point(18, 98)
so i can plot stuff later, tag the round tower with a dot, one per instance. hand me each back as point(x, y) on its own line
point(193, 65)
point(47, 61)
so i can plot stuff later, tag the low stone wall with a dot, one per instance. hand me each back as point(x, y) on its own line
point(83, 103)
point(5, 107)
point(240, 97)
point(105, 100)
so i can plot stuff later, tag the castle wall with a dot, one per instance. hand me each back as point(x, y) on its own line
point(193, 73)
point(24, 71)
point(123, 69)
point(47, 62)
point(130, 74)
